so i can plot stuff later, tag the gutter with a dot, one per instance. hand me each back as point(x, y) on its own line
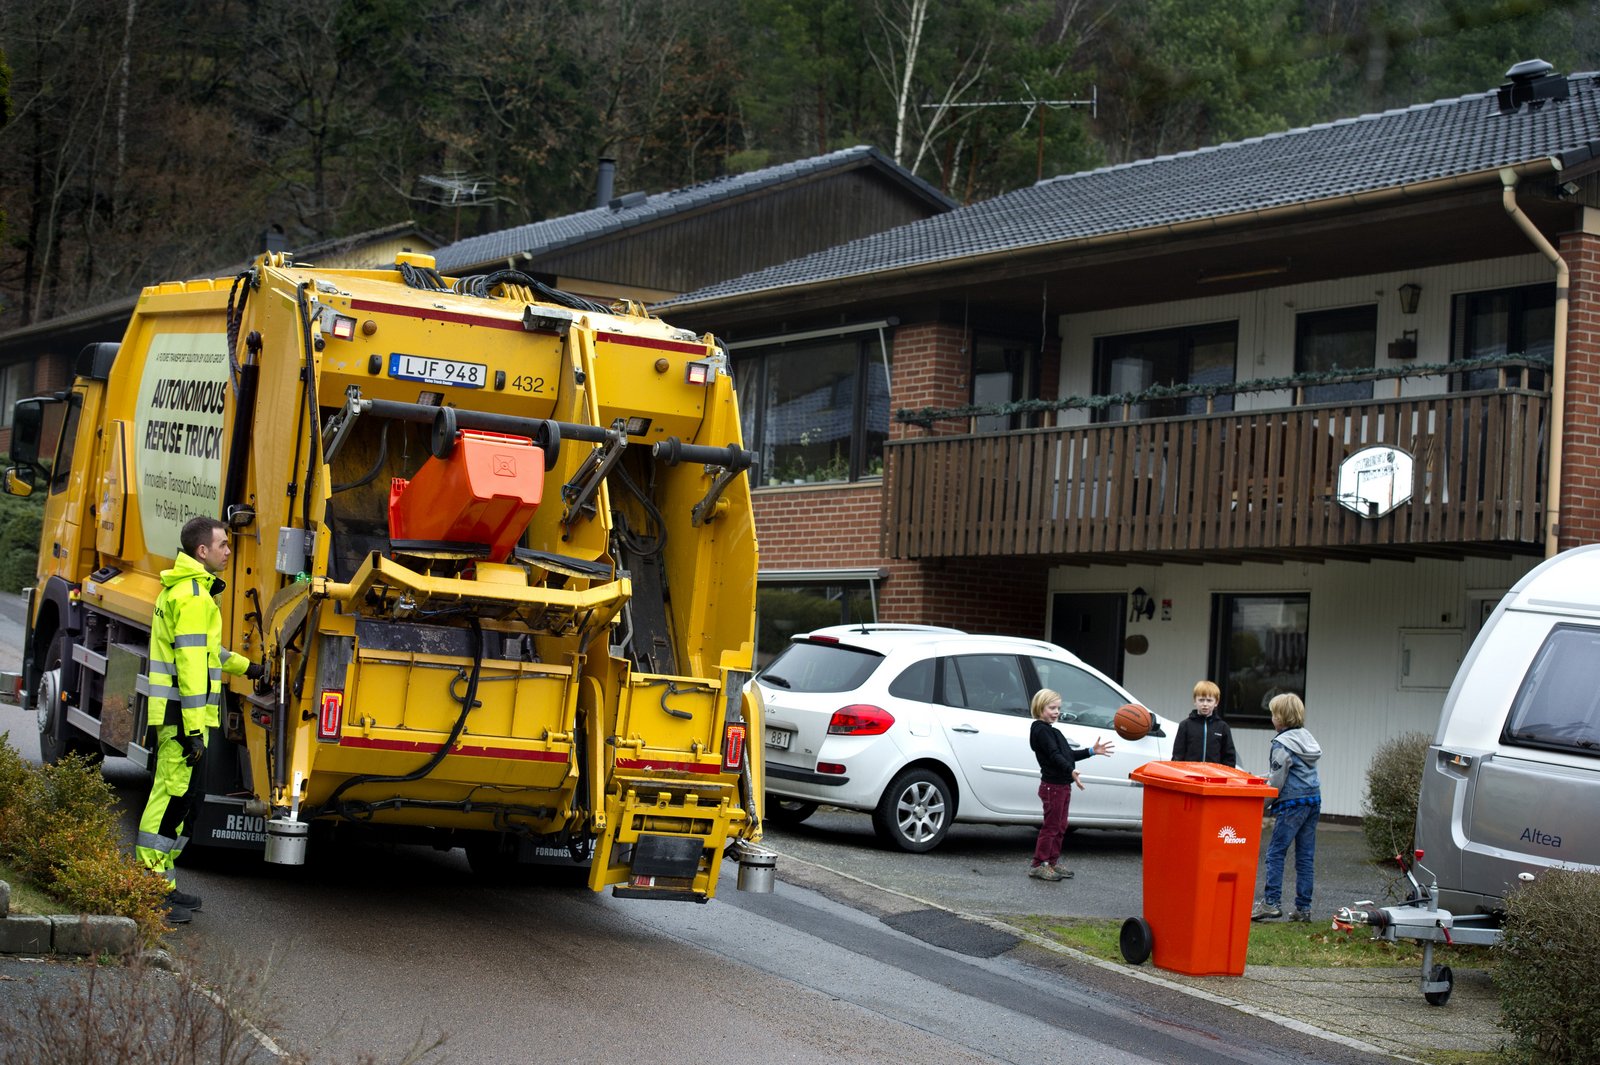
point(1558, 362)
point(1173, 229)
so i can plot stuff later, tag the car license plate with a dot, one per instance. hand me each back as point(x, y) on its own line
point(779, 738)
point(438, 371)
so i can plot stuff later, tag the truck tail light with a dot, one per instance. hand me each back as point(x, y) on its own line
point(733, 738)
point(860, 719)
point(332, 715)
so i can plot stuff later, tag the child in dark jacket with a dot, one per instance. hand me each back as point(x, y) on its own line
point(1058, 761)
point(1203, 736)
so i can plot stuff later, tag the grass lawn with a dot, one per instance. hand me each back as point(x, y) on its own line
point(1313, 945)
point(25, 898)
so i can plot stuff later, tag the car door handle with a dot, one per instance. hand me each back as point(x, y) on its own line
point(963, 728)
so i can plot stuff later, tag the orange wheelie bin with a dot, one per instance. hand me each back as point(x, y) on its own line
point(1202, 825)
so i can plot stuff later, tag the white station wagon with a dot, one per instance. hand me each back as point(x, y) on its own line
point(923, 727)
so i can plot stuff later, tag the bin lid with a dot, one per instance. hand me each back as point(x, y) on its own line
point(1202, 778)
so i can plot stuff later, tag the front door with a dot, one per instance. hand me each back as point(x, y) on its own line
point(1091, 626)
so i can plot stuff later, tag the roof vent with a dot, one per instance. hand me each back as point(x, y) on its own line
point(627, 200)
point(1533, 82)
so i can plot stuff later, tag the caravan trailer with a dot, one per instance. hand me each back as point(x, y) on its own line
point(1512, 781)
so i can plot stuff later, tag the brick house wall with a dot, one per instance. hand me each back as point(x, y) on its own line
point(841, 526)
point(1580, 465)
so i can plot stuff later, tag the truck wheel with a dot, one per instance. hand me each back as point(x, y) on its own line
point(915, 811)
point(57, 739)
point(788, 811)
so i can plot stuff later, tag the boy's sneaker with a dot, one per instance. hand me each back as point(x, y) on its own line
point(177, 914)
point(1265, 911)
point(1300, 915)
point(1044, 872)
point(1062, 874)
point(184, 899)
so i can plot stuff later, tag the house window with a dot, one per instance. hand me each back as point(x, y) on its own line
point(1258, 651)
point(784, 609)
point(16, 382)
point(816, 410)
point(1193, 355)
point(1343, 339)
point(1003, 371)
point(1500, 323)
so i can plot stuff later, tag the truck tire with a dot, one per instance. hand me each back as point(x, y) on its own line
point(57, 739)
point(915, 811)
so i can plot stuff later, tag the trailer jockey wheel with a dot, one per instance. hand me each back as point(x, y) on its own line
point(1441, 975)
point(1137, 941)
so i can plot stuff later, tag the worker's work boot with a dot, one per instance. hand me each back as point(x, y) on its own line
point(177, 914)
point(184, 899)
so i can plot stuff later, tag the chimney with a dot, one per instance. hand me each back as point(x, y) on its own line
point(608, 174)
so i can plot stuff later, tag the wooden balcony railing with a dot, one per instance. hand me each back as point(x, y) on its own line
point(1262, 481)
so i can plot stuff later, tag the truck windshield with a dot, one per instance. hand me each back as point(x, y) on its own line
point(1558, 706)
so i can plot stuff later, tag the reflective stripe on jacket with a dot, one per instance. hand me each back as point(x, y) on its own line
point(187, 658)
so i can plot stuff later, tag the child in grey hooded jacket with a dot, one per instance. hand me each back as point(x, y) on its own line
point(1293, 760)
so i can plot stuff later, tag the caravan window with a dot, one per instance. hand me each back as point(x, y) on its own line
point(1558, 706)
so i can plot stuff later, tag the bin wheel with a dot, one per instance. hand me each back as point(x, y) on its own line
point(1441, 975)
point(1137, 940)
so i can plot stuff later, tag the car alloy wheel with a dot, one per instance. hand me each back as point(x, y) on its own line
point(915, 811)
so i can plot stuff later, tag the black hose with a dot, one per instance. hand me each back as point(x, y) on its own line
point(383, 456)
point(467, 702)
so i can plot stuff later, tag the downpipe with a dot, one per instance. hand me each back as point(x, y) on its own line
point(1558, 361)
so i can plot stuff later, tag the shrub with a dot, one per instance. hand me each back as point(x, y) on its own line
point(1549, 998)
point(59, 828)
point(1389, 807)
point(21, 520)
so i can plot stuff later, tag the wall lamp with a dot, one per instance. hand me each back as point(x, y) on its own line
point(1410, 295)
point(1142, 605)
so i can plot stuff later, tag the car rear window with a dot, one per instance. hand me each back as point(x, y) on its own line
point(1559, 703)
point(819, 667)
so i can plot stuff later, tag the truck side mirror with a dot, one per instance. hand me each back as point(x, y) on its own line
point(27, 426)
point(19, 481)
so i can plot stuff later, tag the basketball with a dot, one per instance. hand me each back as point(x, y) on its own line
point(1132, 722)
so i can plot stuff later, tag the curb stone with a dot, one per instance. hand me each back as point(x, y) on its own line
point(82, 933)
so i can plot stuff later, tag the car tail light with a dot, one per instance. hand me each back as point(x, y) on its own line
point(332, 713)
point(860, 719)
point(832, 768)
point(733, 736)
point(822, 639)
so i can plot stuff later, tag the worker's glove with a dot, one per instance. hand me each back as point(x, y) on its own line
point(255, 671)
point(194, 747)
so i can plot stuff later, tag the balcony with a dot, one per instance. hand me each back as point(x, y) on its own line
point(1242, 485)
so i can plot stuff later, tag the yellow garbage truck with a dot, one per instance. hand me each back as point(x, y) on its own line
point(492, 541)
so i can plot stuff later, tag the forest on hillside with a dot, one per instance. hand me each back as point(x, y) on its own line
point(147, 139)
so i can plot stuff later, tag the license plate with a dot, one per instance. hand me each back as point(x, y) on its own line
point(779, 738)
point(438, 371)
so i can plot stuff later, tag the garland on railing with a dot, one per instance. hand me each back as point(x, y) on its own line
point(926, 416)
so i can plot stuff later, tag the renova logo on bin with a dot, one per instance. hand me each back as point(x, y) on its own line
point(1227, 835)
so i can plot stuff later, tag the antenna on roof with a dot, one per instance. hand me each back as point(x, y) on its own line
point(1039, 107)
